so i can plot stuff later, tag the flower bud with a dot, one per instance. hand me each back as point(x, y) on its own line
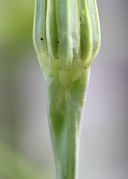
point(66, 35)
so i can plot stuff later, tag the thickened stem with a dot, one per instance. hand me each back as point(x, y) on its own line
point(64, 108)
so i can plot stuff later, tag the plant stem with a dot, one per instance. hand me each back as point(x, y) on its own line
point(65, 104)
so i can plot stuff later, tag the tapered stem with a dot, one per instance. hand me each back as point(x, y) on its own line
point(65, 104)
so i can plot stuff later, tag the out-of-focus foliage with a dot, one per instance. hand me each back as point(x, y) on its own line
point(16, 24)
point(13, 166)
point(15, 21)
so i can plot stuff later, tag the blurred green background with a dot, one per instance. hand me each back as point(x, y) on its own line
point(25, 146)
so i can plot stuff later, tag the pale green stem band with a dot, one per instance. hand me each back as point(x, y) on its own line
point(64, 108)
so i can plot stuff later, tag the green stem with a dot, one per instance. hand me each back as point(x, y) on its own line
point(65, 104)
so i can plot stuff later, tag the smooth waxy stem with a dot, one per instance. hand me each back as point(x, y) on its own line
point(67, 39)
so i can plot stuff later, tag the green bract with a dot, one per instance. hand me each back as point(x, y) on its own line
point(67, 39)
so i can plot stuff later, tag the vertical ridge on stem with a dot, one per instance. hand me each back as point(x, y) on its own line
point(51, 30)
point(39, 29)
point(86, 32)
point(93, 12)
